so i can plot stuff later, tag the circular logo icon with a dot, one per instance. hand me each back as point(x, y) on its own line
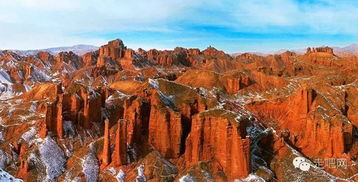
point(297, 161)
point(305, 166)
point(300, 163)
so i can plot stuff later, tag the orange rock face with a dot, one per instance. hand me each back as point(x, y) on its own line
point(219, 138)
point(120, 149)
point(106, 155)
point(135, 113)
point(53, 119)
point(316, 133)
point(89, 59)
point(233, 85)
point(319, 49)
point(92, 109)
point(165, 129)
point(114, 49)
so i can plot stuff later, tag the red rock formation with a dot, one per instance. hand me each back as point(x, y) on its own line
point(43, 129)
point(82, 110)
point(28, 71)
point(120, 150)
point(24, 165)
point(105, 93)
point(211, 51)
point(53, 118)
point(69, 58)
point(178, 56)
point(234, 84)
point(320, 49)
point(215, 135)
point(193, 52)
point(92, 109)
point(321, 56)
point(44, 91)
point(114, 49)
point(90, 58)
point(303, 101)
point(23, 169)
point(134, 113)
point(323, 137)
point(102, 61)
point(129, 53)
point(127, 61)
point(288, 56)
point(59, 119)
point(110, 54)
point(175, 127)
point(165, 129)
point(106, 155)
point(247, 58)
point(45, 56)
point(72, 103)
point(266, 81)
point(312, 129)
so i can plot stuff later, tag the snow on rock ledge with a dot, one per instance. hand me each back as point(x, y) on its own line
point(141, 176)
point(121, 176)
point(5, 177)
point(251, 178)
point(187, 178)
point(53, 158)
point(90, 167)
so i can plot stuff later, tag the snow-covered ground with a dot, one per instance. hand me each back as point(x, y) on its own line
point(90, 167)
point(187, 178)
point(6, 177)
point(53, 158)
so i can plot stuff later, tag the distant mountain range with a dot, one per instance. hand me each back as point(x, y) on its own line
point(82, 49)
point(347, 50)
point(77, 49)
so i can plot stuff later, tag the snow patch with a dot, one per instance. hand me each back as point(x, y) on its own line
point(33, 107)
point(6, 91)
point(168, 100)
point(207, 176)
point(68, 128)
point(53, 158)
point(141, 176)
point(2, 139)
point(29, 134)
point(39, 75)
point(5, 159)
point(6, 177)
point(251, 178)
point(153, 83)
point(238, 118)
point(187, 178)
point(5, 77)
point(90, 167)
point(121, 176)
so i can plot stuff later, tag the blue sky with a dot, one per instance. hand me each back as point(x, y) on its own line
point(233, 26)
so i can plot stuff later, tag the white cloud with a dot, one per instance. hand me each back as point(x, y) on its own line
point(45, 23)
point(319, 17)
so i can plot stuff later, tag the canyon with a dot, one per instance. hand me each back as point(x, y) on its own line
point(118, 114)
